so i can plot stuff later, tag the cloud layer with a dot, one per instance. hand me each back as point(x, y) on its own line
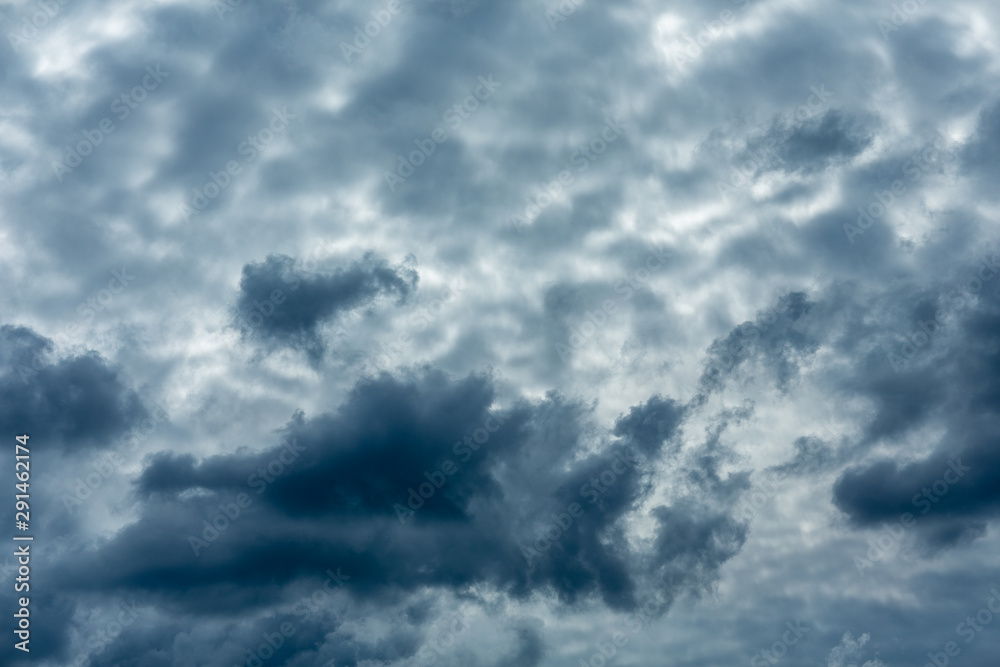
point(467, 333)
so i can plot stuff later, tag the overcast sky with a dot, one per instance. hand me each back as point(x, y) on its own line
point(521, 333)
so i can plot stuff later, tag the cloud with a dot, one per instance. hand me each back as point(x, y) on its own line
point(813, 145)
point(284, 305)
point(955, 482)
point(777, 340)
point(75, 403)
point(851, 652)
point(346, 487)
point(478, 440)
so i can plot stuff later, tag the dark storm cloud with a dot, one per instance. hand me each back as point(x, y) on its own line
point(943, 373)
point(694, 538)
point(814, 144)
point(662, 522)
point(957, 484)
point(49, 640)
point(699, 531)
point(282, 638)
point(342, 496)
point(778, 339)
point(919, 354)
point(284, 305)
point(333, 451)
point(355, 465)
point(649, 425)
point(75, 402)
point(954, 490)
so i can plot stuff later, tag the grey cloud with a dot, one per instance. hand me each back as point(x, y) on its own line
point(284, 305)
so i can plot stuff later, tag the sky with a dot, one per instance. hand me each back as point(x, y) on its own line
point(399, 333)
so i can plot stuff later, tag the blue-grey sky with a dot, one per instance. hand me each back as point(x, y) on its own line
point(397, 333)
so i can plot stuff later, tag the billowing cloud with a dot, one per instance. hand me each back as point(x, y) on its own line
point(490, 334)
point(75, 402)
point(285, 305)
